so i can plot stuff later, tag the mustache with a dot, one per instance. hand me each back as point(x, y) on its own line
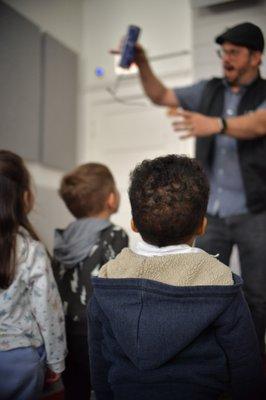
point(228, 66)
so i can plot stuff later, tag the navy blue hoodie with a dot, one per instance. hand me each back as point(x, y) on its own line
point(151, 340)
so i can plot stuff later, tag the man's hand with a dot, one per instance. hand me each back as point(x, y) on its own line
point(195, 124)
point(140, 55)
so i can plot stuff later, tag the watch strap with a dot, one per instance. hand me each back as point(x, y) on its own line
point(223, 125)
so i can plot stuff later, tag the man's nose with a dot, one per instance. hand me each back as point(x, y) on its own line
point(226, 56)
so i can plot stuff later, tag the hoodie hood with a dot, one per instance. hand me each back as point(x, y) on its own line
point(73, 244)
point(154, 321)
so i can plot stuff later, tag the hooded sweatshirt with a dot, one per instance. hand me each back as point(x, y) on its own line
point(73, 244)
point(171, 327)
point(79, 252)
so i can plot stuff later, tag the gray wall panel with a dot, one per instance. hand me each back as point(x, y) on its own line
point(59, 104)
point(19, 84)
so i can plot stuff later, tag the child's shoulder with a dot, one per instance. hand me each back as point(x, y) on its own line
point(115, 268)
point(29, 252)
point(213, 271)
point(112, 241)
point(26, 244)
point(114, 229)
point(115, 235)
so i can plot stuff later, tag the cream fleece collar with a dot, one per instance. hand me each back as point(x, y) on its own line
point(184, 269)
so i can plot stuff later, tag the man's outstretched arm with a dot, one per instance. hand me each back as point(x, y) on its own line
point(153, 87)
point(248, 126)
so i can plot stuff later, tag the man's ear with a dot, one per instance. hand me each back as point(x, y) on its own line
point(133, 226)
point(256, 57)
point(202, 227)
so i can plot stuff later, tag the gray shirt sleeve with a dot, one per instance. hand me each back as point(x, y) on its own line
point(190, 96)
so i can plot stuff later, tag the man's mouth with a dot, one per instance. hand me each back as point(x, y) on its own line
point(228, 68)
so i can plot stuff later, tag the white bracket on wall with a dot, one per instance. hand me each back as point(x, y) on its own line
point(133, 69)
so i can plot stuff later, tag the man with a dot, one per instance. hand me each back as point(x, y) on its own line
point(228, 118)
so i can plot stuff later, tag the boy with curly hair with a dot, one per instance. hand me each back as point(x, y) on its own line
point(169, 321)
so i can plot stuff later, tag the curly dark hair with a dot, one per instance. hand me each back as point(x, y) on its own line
point(168, 197)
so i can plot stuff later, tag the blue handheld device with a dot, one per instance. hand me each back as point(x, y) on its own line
point(128, 50)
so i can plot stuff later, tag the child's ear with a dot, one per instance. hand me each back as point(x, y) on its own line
point(28, 199)
point(202, 227)
point(113, 201)
point(133, 226)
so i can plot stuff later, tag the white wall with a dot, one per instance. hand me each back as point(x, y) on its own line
point(109, 132)
point(121, 135)
point(117, 134)
point(165, 24)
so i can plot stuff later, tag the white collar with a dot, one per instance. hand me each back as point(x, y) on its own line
point(148, 250)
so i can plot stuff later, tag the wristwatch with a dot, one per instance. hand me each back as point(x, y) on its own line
point(223, 125)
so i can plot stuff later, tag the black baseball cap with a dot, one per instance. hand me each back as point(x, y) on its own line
point(246, 34)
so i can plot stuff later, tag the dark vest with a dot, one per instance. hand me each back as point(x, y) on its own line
point(252, 152)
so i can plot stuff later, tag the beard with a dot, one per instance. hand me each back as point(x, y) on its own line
point(239, 76)
point(232, 74)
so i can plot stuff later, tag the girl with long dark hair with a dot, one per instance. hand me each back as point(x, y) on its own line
point(32, 333)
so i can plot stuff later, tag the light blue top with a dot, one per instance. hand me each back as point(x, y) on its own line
point(227, 193)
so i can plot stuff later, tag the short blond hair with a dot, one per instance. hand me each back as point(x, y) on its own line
point(85, 189)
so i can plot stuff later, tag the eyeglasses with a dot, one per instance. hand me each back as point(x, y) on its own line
point(233, 53)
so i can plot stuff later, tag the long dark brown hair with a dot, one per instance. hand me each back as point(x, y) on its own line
point(15, 188)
